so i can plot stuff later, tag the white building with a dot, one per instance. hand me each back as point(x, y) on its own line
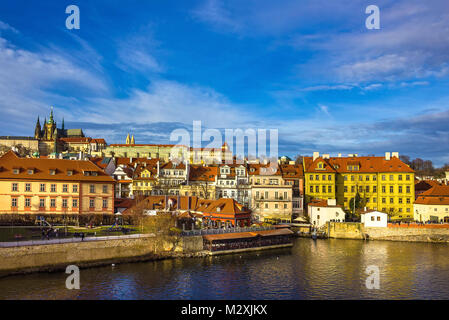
point(324, 211)
point(374, 218)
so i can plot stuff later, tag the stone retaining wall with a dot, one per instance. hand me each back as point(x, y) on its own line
point(351, 230)
point(59, 256)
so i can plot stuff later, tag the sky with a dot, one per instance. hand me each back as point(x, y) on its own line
point(310, 69)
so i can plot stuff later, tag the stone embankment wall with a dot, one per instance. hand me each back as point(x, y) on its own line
point(345, 230)
point(351, 230)
point(409, 234)
point(94, 253)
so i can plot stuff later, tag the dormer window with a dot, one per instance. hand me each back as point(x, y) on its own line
point(52, 172)
point(30, 171)
point(86, 173)
point(95, 173)
point(70, 172)
point(15, 170)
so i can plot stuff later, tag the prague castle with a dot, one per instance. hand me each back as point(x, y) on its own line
point(50, 140)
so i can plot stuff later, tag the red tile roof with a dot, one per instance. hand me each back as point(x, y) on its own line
point(366, 165)
point(10, 161)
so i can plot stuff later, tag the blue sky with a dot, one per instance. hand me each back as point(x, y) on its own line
point(307, 68)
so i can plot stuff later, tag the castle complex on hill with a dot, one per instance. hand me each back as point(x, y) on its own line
point(49, 140)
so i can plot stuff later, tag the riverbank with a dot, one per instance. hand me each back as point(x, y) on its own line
point(405, 233)
point(57, 256)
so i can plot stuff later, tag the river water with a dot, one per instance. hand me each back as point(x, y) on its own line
point(322, 269)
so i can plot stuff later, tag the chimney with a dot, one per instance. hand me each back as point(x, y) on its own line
point(387, 156)
point(316, 155)
point(326, 156)
point(395, 154)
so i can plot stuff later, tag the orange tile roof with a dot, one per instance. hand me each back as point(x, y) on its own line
point(10, 161)
point(437, 195)
point(366, 165)
point(202, 173)
point(251, 234)
point(292, 171)
point(321, 203)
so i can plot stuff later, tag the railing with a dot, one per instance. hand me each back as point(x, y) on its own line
point(203, 232)
point(70, 240)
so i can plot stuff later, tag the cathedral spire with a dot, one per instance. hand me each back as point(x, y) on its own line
point(132, 140)
point(62, 128)
point(127, 139)
point(38, 130)
point(51, 116)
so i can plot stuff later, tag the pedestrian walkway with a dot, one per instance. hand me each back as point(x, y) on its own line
point(70, 240)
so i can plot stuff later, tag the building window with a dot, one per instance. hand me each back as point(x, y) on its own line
point(408, 189)
point(324, 189)
point(345, 189)
point(400, 177)
point(317, 189)
point(53, 203)
point(28, 187)
point(407, 177)
point(91, 203)
point(75, 203)
point(384, 177)
point(374, 188)
point(391, 200)
point(391, 189)
point(15, 187)
point(311, 189)
point(42, 187)
point(53, 188)
point(65, 188)
point(105, 203)
point(105, 189)
point(374, 178)
point(384, 189)
point(329, 189)
point(27, 202)
point(41, 203)
point(75, 188)
point(14, 202)
point(64, 203)
point(92, 188)
point(400, 189)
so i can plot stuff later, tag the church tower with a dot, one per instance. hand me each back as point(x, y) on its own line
point(50, 128)
point(127, 139)
point(38, 130)
point(132, 140)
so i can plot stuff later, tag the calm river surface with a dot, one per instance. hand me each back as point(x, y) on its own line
point(324, 269)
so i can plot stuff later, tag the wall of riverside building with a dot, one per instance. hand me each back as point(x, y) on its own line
point(90, 253)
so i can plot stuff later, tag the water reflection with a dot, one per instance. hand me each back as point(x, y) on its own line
point(323, 269)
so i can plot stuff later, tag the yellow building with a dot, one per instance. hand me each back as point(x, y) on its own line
point(38, 186)
point(383, 183)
